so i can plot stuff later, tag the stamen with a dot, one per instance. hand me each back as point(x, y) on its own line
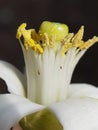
point(68, 38)
point(89, 43)
point(20, 29)
point(66, 48)
point(45, 39)
point(49, 38)
point(77, 41)
point(28, 41)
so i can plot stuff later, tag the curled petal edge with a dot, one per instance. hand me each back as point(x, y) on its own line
point(77, 90)
point(13, 108)
point(77, 113)
point(14, 79)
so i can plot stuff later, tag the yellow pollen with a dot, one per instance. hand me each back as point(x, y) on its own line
point(77, 41)
point(28, 41)
point(66, 48)
point(89, 43)
point(20, 29)
point(78, 37)
point(48, 38)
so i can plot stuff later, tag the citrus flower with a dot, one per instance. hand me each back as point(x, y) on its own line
point(43, 98)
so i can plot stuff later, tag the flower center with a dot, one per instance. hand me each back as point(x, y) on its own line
point(53, 35)
point(51, 56)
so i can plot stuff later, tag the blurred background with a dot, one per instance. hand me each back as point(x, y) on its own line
point(72, 12)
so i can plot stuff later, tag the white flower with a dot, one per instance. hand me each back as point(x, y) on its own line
point(50, 57)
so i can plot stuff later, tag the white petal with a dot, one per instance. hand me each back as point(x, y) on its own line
point(82, 90)
point(13, 108)
point(77, 114)
point(13, 78)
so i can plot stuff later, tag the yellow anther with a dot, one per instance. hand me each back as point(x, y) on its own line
point(78, 37)
point(77, 41)
point(66, 47)
point(20, 29)
point(29, 43)
point(28, 36)
point(34, 35)
point(66, 43)
point(38, 48)
point(68, 38)
point(50, 35)
point(45, 40)
point(89, 43)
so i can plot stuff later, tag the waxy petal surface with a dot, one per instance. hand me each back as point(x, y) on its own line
point(13, 77)
point(13, 108)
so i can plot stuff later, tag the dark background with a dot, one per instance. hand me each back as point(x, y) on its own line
point(72, 12)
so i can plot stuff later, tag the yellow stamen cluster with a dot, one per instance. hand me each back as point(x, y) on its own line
point(28, 40)
point(38, 41)
point(77, 42)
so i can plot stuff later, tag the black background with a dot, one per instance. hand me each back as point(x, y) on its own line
point(72, 12)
